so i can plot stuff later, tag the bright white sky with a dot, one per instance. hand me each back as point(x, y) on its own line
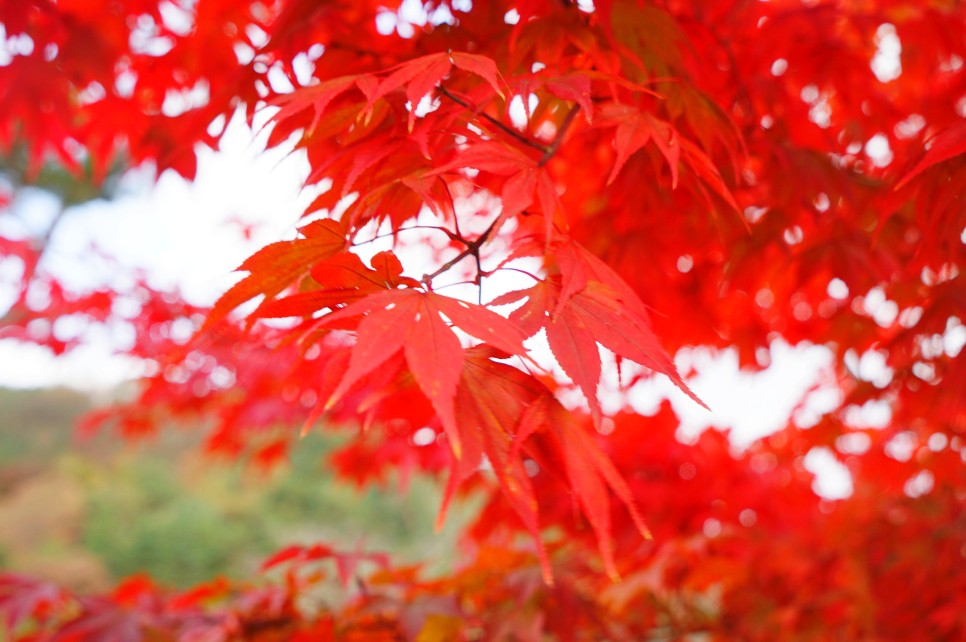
point(181, 234)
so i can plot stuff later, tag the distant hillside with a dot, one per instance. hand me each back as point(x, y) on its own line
point(87, 512)
point(35, 425)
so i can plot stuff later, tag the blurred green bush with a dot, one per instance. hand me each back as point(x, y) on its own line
point(160, 507)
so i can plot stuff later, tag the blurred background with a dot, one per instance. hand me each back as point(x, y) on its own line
point(87, 512)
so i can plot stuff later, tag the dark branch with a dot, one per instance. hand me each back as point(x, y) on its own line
point(472, 249)
point(450, 234)
point(493, 121)
point(555, 144)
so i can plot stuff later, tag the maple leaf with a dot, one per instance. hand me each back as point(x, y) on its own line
point(594, 314)
point(587, 304)
point(343, 278)
point(500, 409)
point(591, 476)
point(421, 75)
point(634, 130)
point(945, 145)
point(494, 417)
point(317, 97)
point(527, 179)
point(412, 321)
point(279, 265)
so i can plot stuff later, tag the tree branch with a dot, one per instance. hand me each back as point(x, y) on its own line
point(30, 267)
point(472, 249)
point(555, 144)
point(493, 121)
point(451, 235)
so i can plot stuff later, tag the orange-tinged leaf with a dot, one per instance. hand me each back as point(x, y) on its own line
point(440, 628)
point(347, 271)
point(346, 279)
point(324, 229)
point(274, 268)
point(387, 265)
point(364, 159)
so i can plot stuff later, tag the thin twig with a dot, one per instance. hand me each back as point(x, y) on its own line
point(555, 144)
point(453, 284)
point(472, 249)
point(493, 121)
point(428, 278)
point(451, 235)
point(515, 269)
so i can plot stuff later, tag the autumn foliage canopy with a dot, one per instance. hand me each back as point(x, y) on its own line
point(524, 210)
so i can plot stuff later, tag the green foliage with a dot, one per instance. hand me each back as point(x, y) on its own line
point(392, 519)
point(159, 508)
point(143, 519)
point(33, 423)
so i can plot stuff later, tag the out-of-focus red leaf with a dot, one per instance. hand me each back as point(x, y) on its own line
point(947, 144)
